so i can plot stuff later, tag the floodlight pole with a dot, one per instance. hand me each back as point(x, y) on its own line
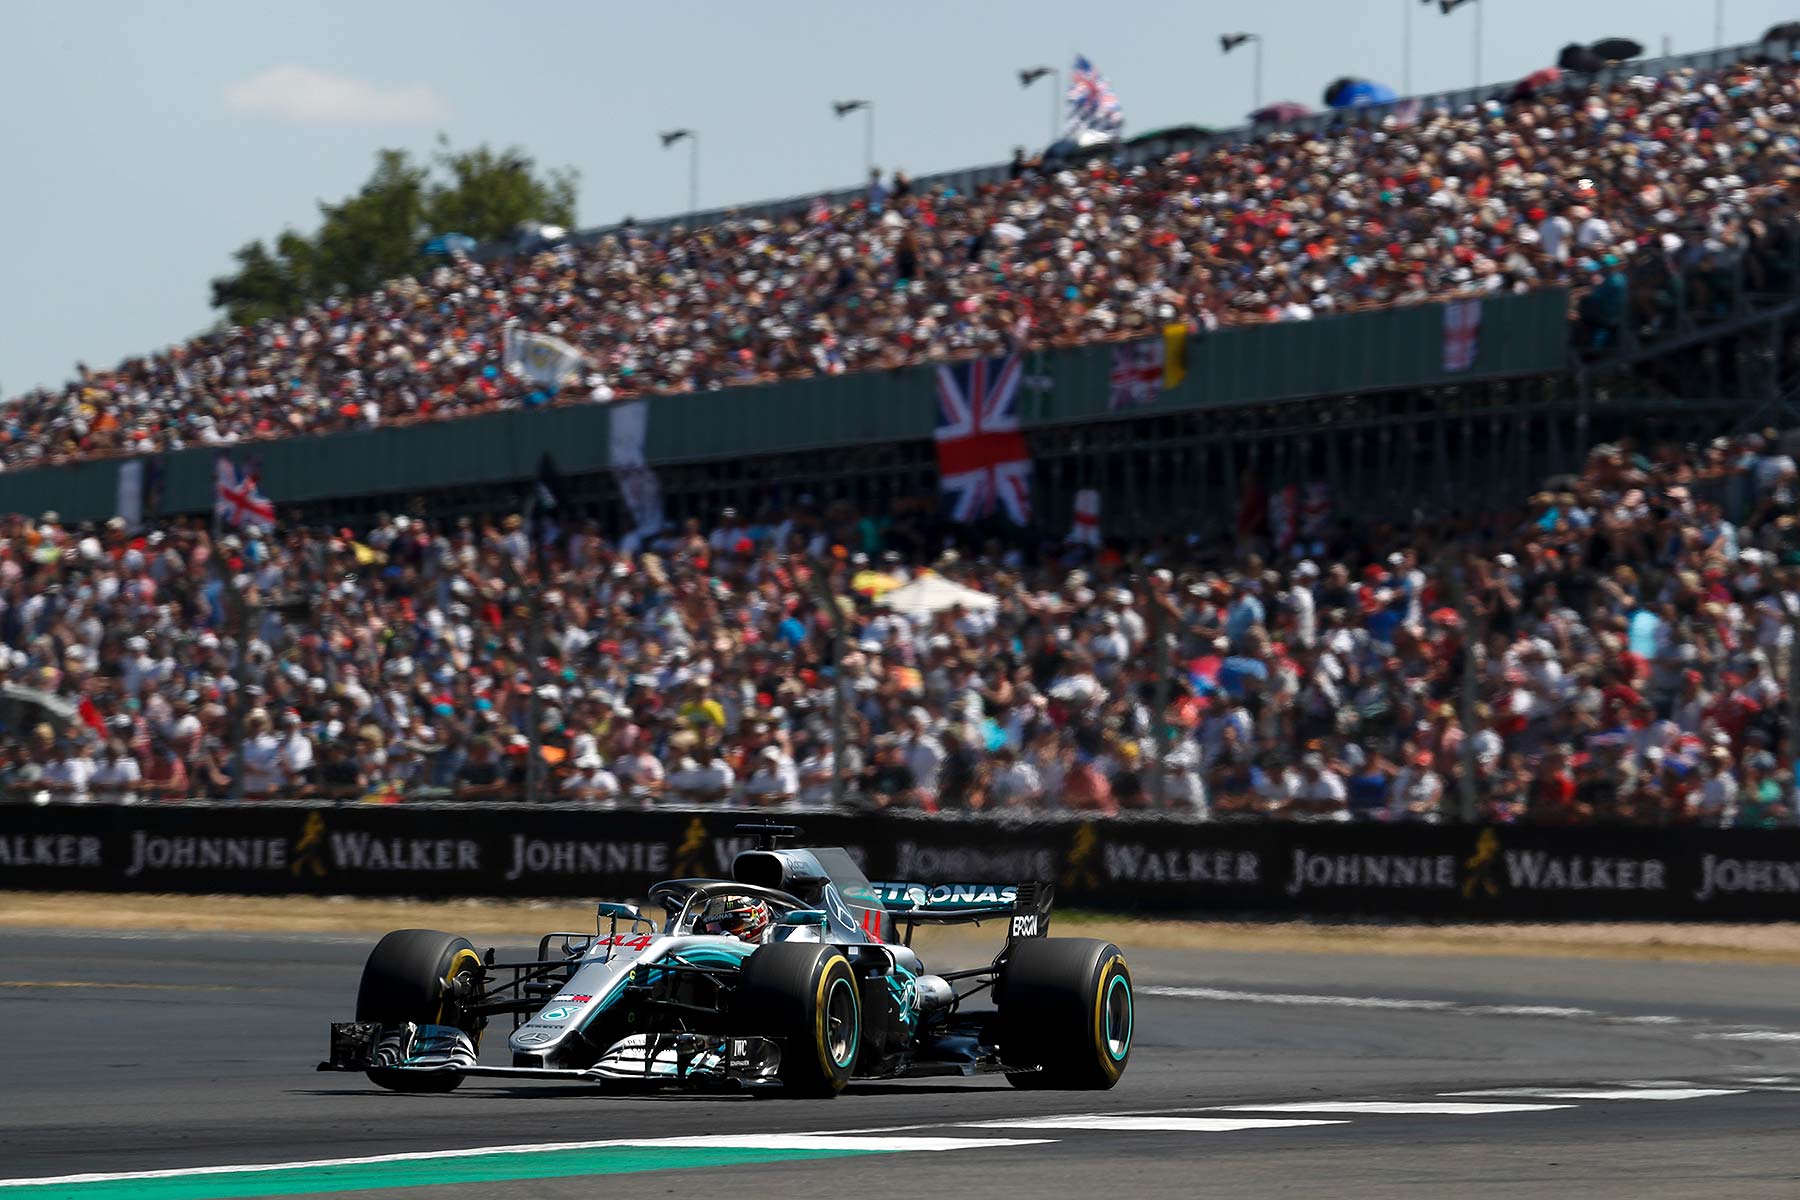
point(693, 173)
point(1406, 47)
point(1478, 7)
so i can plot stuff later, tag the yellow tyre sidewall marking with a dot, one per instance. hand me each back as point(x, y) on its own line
point(462, 958)
point(1112, 1068)
point(822, 1018)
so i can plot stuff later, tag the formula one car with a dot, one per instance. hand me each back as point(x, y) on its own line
point(796, 972)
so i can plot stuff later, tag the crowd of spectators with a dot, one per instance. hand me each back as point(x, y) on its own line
point(1608, 187)
point(1636, 624)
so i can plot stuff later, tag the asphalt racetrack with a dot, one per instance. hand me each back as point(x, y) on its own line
point(1251, 1075)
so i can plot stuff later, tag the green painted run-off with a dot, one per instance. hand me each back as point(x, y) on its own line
point(417, 1173)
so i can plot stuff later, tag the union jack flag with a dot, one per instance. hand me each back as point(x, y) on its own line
point(1093, 108)
point(982, 458)
point(236, 500)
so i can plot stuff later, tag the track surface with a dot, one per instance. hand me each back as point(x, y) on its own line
point(145, 1051)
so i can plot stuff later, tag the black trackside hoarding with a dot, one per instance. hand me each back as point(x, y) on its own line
point(1136, 864)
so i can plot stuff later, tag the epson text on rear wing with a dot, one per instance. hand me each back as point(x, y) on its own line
point(1025, 906)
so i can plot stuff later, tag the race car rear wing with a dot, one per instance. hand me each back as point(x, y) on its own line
point(1025, 907)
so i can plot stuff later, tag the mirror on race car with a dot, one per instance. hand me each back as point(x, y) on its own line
point(618, 912)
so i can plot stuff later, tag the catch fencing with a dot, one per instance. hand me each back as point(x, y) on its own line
point(1121, 864)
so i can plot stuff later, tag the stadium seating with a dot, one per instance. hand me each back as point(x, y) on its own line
point(1595, 186)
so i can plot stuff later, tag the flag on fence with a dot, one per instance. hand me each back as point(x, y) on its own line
point(1315, 511)
point(1174, 337)
point(1141, 371)
point(236, 500)
point(1462, 334)
point(154, 479)
point(983, 462)
point(1086, 530)
point(545, 360)
point(130, 505)
point(1284, 517)
point(1094, 112)
point(638, 484)
point(1137, 373)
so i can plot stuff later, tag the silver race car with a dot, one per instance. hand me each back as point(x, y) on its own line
point(795, 972)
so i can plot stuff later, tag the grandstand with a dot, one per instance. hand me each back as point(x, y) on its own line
point(1335, 390)
point(1249, 407)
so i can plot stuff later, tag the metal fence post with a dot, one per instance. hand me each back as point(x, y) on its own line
point(822, 579)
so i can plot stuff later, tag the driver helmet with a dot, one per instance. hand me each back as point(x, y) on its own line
point(742, 917)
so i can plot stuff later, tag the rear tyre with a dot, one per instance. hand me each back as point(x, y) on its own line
point(1066, 1013)
point(804, 995)
point(409, 978)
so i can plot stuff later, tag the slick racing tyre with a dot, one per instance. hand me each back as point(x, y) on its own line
point(1066, 1013)
point(804, 995)
point(409, 977)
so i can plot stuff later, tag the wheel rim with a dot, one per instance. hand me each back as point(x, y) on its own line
point(1117, 1019)
point(841, 1021)
point(462, 962)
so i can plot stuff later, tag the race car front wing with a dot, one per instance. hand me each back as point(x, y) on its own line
point(681, 1059)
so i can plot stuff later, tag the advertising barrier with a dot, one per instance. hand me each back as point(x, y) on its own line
point(1141, 864)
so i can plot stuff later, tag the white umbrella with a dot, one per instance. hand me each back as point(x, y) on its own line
point(933, 594)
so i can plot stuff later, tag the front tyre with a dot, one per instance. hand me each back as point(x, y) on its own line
point(1066, 1013)
point(805, 996)
point(411, 976)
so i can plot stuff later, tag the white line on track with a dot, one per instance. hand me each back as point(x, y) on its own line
point(1556, 1012)
point(1393, 1108)
point(1149, 1124)
point(1296, 998)
point(769, 1141)
point(1604, 1093)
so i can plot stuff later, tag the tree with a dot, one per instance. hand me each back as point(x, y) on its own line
point(487, 195)
point(373, 236)
point(264, 285)
point(377, 233)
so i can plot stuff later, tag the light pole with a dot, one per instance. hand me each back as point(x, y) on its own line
point(1231, 41)
point(1405, 47)
point(1029, 76)
point(844, 108)
point(1449, 6)
point(1406, 70)
point(692, 138)
point(1718, 23)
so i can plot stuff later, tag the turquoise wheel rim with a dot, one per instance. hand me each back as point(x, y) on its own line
point(1118, 1017)
point(843, 1022)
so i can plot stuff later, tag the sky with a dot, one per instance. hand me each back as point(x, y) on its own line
point(144, 143)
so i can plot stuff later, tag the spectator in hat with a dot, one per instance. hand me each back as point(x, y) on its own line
point(773, 780)
point(116, 775)
point(590, 782)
